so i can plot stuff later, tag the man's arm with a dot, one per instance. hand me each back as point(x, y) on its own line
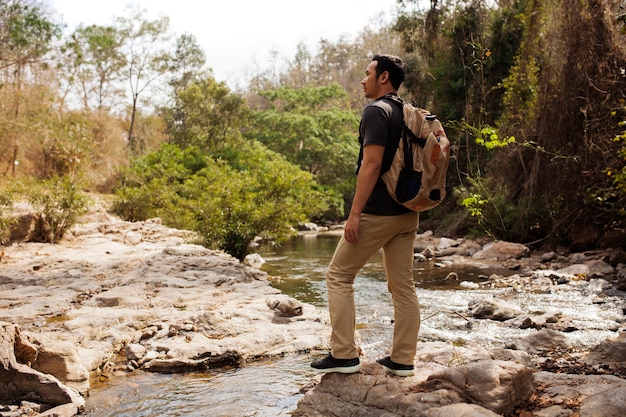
point(365, 182)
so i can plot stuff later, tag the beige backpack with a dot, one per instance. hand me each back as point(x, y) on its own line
point(417, 176)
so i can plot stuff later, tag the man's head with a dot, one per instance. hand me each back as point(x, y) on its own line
point(383, 75)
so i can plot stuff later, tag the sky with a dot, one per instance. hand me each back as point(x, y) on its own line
point(238, 36)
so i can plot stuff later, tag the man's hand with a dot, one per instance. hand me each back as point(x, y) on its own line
point(351, 229)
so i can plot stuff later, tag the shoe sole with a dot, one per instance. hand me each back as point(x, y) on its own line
point(339, 369)
point(399, 372)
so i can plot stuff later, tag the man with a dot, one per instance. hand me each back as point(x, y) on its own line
point(375, 221)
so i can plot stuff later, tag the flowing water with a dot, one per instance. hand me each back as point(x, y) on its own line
point(270, 388)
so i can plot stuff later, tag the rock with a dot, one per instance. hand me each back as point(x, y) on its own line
point(310, 226)
point(611, 352)
point(445, 243)
point(20, 381)
point(548, 256)
point(493, 309)
point(460, 410)
point(493, 384)
point(599, 268)
point(527, 321)
point(490, 385)
point(65, 410)
point(134, 352)
point(500, 250)
point(254, 260)
point(540, 341)
point(285, 306)
point(176, 365)
point(61, 359)
point(597, 285)
point(371, 393)
point(575, 270)
point(452, 276)
point(609, 403)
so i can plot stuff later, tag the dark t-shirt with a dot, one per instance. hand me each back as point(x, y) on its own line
point(381, 124)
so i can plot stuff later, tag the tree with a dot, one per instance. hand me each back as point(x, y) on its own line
point(94, 67)
point(186, 63)
point(206, 114)
point(146, 44)
point(25, 37)
point(311, 128)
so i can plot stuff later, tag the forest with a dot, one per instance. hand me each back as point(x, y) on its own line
point(532, 94)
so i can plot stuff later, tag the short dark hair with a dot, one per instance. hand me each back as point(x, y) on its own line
point(393, 65)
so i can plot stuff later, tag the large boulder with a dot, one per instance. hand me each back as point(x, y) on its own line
point(483, 388)
point(20, 382)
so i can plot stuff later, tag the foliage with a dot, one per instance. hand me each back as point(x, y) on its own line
point(26, 34)
point(7, 217)
point(59, 202)
point(146, 46)
point(206, 114)
point(247, 192)
point(93, 65)
point(312, 129)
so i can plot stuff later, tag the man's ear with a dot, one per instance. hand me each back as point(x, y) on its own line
point(384, 77)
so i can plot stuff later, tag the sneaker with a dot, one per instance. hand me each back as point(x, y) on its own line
point(396, 368)
point(330, 364)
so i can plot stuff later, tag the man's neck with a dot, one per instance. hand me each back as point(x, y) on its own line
point(389, 91)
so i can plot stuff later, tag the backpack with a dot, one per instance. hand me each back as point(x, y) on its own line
point(417, 176)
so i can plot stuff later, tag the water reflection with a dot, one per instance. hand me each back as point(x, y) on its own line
point(300, 267)
point(247, 391)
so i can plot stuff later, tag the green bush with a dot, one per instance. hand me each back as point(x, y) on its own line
point(59, 202)
point(7, 219)
point(229, 199)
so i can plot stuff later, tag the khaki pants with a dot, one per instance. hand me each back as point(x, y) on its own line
point(396, 236)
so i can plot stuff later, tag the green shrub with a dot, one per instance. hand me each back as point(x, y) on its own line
point(228, 199)
point(59, 202)
point(7, 218)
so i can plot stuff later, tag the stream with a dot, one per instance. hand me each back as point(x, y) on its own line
point(270, 388)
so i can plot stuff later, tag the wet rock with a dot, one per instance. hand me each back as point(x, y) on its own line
point(490, 308)
point(254, 260)
point(528, 321)
point(285, 306)
point(134, 352)
point(500, 250)
point(540, 341)
point(176, 365)
point(611, 352)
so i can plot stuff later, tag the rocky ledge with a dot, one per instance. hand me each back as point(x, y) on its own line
point(116, 296)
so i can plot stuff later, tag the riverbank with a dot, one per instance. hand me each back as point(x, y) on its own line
point(116, 296)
